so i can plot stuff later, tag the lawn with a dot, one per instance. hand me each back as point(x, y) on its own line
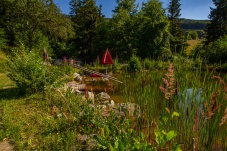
point(5, 82)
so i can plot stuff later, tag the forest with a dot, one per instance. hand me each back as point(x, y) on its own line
point(149, 31)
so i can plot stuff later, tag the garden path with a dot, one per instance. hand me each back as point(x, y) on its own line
point(6, 146)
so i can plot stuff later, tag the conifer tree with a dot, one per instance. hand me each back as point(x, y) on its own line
point(153, 31)
point(86, 17)
point(174, 15)
point(218, 26)
point(175, 27)
point(128, 5)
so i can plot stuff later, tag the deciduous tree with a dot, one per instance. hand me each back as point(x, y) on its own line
point(28, 21)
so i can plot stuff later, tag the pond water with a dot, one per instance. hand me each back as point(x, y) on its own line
point(99, 84)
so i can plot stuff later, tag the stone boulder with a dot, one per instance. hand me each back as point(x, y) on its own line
point(102, 97)
point(77, 77)
point(73, 86)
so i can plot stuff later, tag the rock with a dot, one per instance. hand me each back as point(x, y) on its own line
point(88, 96)
point(74, 86)
point(109, 103)
point(102, 96)
point(77, 77)
point(82, 138)
point(91, 97)
point(101, 106)
point(87, 141)
point(78, 92)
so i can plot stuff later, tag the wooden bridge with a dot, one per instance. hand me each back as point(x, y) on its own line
point(95, 72)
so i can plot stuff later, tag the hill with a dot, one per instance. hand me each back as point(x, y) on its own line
point(190, 24)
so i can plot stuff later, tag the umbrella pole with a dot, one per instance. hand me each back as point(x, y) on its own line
point(106, 69)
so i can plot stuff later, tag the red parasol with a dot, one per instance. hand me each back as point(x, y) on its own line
point(106, 59)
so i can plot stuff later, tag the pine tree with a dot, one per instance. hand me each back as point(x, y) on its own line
point(218, 26)
point(175, 27)
point(75, 4)
point(153, 31)
point(128, 5)
point(174, 15)
point(122, 29)
point(86, 17)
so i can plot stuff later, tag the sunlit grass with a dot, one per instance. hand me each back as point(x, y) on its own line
point(5, 82)
point(192, 44)
point(2, 61)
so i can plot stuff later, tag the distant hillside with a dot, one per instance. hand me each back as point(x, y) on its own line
point(189, 24)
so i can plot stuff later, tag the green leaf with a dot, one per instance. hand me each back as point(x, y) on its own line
point(175, 114)
point(170, 135)
point(107, 131)
point(177, 148)
point(165, 119)
point(167, 109)
point(111, 148)
point(163, 132)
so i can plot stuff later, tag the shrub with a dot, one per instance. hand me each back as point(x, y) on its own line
point(148, 64)
point(134, 64)
point(192, 35)
point(29, 72)
point(116, 66)
point(217, 51)
point(3, 39)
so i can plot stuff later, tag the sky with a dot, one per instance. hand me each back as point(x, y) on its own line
point(190, 9)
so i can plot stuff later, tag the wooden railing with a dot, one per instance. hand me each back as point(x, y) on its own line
point(95, 72)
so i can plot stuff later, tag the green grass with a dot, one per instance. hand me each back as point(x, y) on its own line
point(30, 123)
point(144, 89)
point(192, 44)
point(2, 61)
point(5, 82)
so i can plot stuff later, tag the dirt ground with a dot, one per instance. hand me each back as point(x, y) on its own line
point(6, 146)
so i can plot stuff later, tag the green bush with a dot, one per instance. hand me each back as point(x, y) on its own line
point(29, 72)
point(3, 39)
point(192, 35)
point(134, 64)
point(148, 64)
point(216, 52)
point(116, 66)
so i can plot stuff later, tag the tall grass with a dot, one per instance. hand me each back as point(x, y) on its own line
point(195, 126)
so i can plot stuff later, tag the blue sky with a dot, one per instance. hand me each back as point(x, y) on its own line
point(190, 9)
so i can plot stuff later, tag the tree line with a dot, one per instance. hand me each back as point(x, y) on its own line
point(189, 24)
point(147, 30)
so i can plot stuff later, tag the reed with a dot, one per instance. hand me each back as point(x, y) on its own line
point(198, 124)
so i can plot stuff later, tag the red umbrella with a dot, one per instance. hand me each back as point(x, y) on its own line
point(106, 59)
